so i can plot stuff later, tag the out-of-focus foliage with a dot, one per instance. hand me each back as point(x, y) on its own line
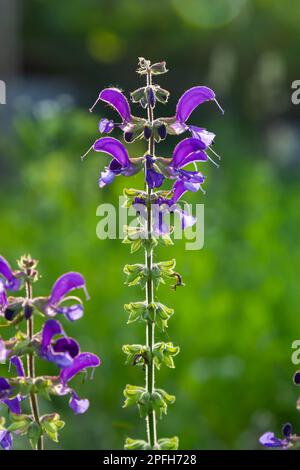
point(237, 316)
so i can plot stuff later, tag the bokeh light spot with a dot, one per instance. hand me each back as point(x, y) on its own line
point(207, 13)
point(105, 46)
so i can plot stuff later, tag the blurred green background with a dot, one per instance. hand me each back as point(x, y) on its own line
point(239, 312)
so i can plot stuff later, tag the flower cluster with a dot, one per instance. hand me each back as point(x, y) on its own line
point(289, 439)
point(151, 205)
point(50, 344)
point(190, 151)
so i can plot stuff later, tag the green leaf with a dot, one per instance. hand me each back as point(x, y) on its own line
point(34, 433)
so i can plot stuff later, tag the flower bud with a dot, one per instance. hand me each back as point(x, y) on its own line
point(147, 132)
point(28, 310)
point(162, 131)
point(150, 97)
point(128, 137)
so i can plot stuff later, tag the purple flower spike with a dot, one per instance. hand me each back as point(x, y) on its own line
point(191, 99)
point(78, 405)
point(118, 101)
point(12, 283)
point(5, 439)
point(82, 361)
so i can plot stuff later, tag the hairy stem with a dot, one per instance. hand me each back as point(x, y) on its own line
point(150, 327)
point(31, 369)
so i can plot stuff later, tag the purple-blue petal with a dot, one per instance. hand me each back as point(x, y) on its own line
point(82, 361)
point(106, 126)
point(198, 156)
point(106, 177)
point(5, 387)
point(191, 99)
point(50, 329)
point(114, 148)
point(184, 149)
point(3, 298)
point(153, 178)
point(14, 404)
point(206, 137)
point(268, 439)
point(17, 362)
point(78, 405)
point(5, 270)
point(72, 312)
point(6, 439)
point(118, 101)
point(68, 345)
point(64, 284)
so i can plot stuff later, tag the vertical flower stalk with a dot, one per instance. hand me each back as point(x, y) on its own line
point(153, 205)
point(150, 324)
point(29, 267)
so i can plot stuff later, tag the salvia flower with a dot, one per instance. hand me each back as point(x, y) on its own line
point(115, 98)
point(6, 439)
point(120, 164)
point(50, 344)
point(61, 351)
point(63, 286)
point(80, 363)
point(268, 439)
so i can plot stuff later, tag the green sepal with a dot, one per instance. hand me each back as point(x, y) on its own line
point(163, 314)
point(136, 444)
point(20, 423)
point(163, 353)
point(136, 274)
point(161, 95)
point(169, 443)
point(43, 387)
point(159, 68)
point(2, 423)
point(160, 400)
point(138, 94)
point(136, 311)
point(51, 424)
point(137, 354)
point(130, 194)
point(34, 433)
point(132, 394)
